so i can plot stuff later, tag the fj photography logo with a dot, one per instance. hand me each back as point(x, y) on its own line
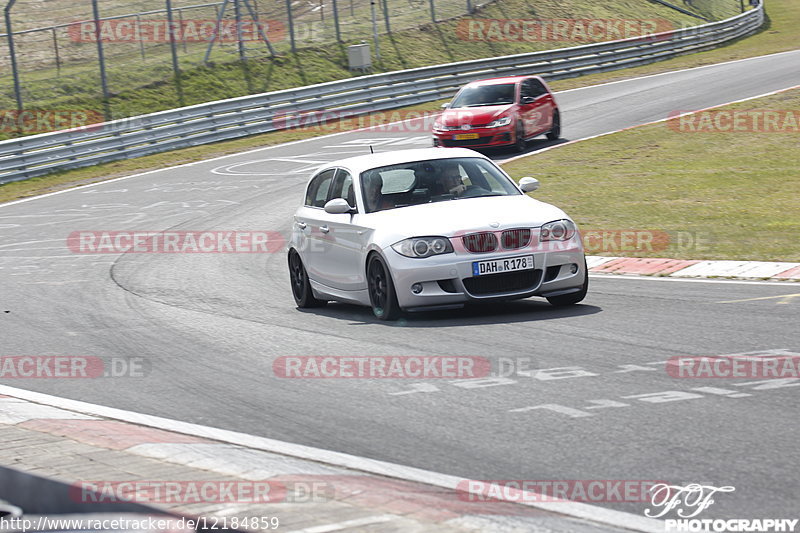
point(184, 31)
point(201, 491)
point(735, 121)
point(563, 30)
point(381, 367)
point(175, 242)
point(72, 367)
point(689, 501)
point(31, 121)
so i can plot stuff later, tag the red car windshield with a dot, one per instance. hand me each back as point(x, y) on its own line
point(484, 95)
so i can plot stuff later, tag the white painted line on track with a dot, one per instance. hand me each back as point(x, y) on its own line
point(547, 149)
point(583, 511)
point(677, 71)
point(256, 150)
point(635, 277)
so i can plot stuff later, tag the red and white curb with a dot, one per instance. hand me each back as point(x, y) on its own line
point(679, 268)
point(382, 487)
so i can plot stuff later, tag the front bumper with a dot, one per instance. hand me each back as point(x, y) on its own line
point(487, 137)
point(447, 280)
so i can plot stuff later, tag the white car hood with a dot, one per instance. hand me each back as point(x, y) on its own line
point(454, 217)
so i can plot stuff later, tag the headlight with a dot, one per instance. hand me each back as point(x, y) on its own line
point(423, 246)
point(503, 121)
point(438, 125)
point(558, 230)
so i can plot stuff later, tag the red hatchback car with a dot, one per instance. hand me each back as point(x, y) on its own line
point(499, 112)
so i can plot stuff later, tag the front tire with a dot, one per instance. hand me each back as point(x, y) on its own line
point(382, 295)
point(555, 132)
point(574, 297)
point(301, 286)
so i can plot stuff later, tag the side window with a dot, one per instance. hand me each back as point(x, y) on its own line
point(537, 89)
point(526, 89)
point(317, 192)
point(343, 187)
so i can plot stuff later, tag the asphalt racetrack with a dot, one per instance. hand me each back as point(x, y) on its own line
point(209, 326)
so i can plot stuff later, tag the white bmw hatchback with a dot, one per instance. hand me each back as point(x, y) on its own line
point(426, 229)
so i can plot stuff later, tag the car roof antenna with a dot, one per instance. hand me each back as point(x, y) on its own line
point(371, 150)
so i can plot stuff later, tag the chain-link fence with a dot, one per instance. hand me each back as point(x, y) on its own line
point(77, 51)
point(138, 40)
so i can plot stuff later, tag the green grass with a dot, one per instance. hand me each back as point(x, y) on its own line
point(779, 35)
point(138, 86)
point(737, 191)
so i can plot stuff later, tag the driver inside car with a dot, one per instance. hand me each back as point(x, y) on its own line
point(452, 181)
point(373, 197)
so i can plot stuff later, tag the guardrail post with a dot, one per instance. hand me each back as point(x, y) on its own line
point(102, 60)
point(336, 22)
point(237, 10)
point(375, 30)
point(386, 15)
point(433, 11)
point(291, 24)
point(13, 54)
point(173, 48)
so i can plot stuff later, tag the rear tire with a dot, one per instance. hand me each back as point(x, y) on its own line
point(380, 286)
point(555, 132)
point(574, 297)
point(301, 286)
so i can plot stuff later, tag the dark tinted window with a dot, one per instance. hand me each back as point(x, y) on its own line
point(317, 193)
point(436, 180)
point(482, 95)
point(343, 187)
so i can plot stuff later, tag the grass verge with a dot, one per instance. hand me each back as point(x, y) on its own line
point(717, 194)
point(138, 87)
point(779, 35)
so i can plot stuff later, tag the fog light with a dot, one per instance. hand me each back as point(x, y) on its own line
point(573, 268)
point(416, 288)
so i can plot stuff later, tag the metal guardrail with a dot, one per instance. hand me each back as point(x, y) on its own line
point(37, 155)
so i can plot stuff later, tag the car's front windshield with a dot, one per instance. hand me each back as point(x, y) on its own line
point(485, 95)
point(436, 180)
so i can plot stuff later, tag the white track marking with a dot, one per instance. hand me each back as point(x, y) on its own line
point(328, 136)
point(677, 71)
point(693, 280)
point(537, 152)
point(583, 511)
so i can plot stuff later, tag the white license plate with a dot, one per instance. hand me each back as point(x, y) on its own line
point(496, 266)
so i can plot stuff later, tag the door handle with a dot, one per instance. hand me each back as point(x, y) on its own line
point(302, 225)
point(324, 229)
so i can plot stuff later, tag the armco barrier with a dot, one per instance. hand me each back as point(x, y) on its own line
point(37, 155)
